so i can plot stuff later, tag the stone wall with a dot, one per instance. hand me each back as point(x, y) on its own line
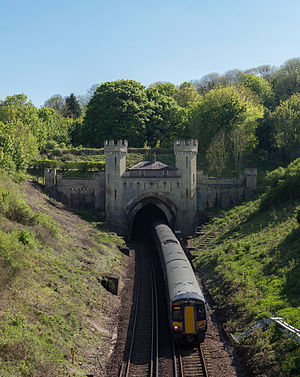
point(182, 194)
point(224, 192)
point(78, 193)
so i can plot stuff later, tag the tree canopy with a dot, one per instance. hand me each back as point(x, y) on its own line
point(224, 108)
point(117, 110)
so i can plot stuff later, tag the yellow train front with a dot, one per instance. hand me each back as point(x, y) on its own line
point(186, 303)
point(188, 318)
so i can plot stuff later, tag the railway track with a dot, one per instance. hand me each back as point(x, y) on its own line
point(142, 358)
point(189, 361)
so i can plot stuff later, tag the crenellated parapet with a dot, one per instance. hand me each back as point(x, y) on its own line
point(186, 146)
point(119, 146)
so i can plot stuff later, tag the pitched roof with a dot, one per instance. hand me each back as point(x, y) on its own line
point(151, 165)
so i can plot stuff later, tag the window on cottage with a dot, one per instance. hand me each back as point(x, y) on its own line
point(193, 178)
point(186, 161)
point(115, 194)
point(186, 192)
point(165, 173)
point(142, 173)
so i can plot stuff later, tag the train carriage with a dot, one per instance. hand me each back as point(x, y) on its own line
point(186, 304)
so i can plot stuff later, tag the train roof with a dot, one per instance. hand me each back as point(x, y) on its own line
point(180, 275)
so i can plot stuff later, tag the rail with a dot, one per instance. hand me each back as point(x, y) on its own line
point(189, 361)
point(141, 362)
point(285, 328)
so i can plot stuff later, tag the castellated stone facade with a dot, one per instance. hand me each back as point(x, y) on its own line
point(181, 193)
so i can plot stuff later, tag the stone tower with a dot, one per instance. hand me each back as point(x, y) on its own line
point(50, 181)
point(115, 167)
point(186, 163)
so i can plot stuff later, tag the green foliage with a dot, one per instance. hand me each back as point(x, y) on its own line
point(118, 110)
point(57, 103)
point(224, 108)
point(72, 108)
point(18, 146)
point(57, 127)
point(217, 153)
point(24, 130)
point(284, 184)
point(251, 267)
point(49, 285)
point(261, 87)
point(167, 120)
point(69, 165)
point(286, 120)
point(286, 80)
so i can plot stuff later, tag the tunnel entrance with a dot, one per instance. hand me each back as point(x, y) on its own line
point(141, 226)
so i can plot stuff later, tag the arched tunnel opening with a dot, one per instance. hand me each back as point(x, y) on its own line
point(143, 220)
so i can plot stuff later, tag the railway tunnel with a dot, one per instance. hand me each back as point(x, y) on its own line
point(144, 218)
point(145, 212)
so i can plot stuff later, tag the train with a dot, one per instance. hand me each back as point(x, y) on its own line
point(187, 312)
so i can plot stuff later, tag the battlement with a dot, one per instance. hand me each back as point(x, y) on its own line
point(250, 171)
point(49, 172)
point(184, 146)
point(115, 146)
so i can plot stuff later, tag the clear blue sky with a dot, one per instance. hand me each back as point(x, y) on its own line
point(49, 47)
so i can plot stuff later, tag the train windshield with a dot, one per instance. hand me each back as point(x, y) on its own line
point(177, 313)
point(200, 309)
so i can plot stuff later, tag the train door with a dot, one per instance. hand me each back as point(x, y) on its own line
point(189, 319)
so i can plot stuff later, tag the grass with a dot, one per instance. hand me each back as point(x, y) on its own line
point(50, 288)
point(252, 269)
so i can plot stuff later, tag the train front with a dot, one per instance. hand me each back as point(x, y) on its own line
point(188, 318)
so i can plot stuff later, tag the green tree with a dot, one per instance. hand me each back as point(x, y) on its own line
point(225, 108)
point(18, 146)
point(239, 144)
point(286, 120)
point(57, 102)
point(18, 110)
point(72, 109)
point(286, 80)
point(118, 110)
point(217, 153)
point(164, 88)
point(186, 95)
point(56, 126)
point(259, 86)
point(167, 120)
point(207, 82)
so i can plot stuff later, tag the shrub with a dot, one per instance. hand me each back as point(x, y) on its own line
point(284, 184)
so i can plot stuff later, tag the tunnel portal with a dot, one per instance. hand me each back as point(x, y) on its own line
point(144, 218)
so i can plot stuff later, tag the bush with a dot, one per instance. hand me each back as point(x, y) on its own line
point(298, 216)
point(69, 165)
point(284, 184)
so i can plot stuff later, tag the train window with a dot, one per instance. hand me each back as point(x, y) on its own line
point(169, 241)
point(200, 309)
point(177, 314)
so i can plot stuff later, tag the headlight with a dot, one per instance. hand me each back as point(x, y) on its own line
point(176, 328)
point(201, 327)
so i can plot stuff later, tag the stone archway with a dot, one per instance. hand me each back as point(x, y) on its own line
point(136, 204)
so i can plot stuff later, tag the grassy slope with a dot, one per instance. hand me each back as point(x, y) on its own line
point(253, 272)
point(51, 296)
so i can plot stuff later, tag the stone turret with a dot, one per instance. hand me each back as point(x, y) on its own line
point(251, 179)
point(186, 163)
point(115, 167)
point(50, 181)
